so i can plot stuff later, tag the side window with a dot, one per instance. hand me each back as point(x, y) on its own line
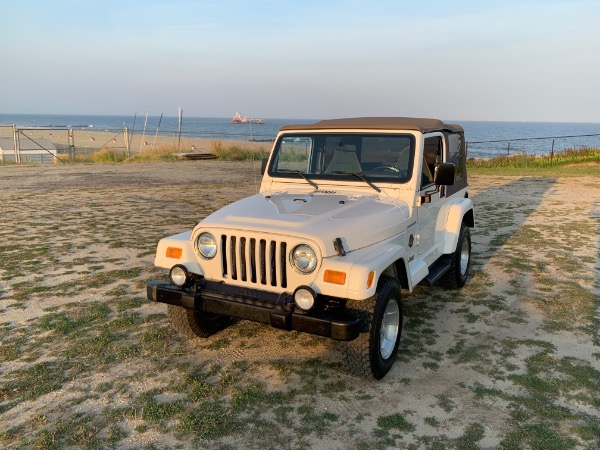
point(431, 152)
point(456, 152)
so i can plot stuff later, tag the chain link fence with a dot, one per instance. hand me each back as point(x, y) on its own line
point(542, 146)
point(55, 145)
point(26, 145)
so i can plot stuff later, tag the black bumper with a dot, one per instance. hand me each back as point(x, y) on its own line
point(255, 305)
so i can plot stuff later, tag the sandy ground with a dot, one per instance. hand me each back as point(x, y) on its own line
point(87, 140)
point(86, 362)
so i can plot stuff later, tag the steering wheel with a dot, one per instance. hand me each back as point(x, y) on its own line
point(386, 168)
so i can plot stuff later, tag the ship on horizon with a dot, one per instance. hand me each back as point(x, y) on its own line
point(240, 118)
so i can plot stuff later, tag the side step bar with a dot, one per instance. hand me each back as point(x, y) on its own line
point(437, 271)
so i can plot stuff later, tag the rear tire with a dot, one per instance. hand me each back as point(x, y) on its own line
point(374, 351)
point(193, 324)
point(457, 275)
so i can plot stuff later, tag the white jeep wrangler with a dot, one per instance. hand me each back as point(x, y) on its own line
point(350, 211)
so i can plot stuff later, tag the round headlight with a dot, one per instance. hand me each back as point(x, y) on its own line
point(206, 245)
point(303, 258)
point(178, 275)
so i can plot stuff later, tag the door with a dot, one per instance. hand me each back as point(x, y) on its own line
point(430, 203)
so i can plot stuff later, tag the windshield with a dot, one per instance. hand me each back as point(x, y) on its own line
point(375, 157)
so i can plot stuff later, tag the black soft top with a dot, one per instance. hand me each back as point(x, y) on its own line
point(379, 123)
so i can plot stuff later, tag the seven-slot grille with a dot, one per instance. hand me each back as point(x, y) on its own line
point(256, 261)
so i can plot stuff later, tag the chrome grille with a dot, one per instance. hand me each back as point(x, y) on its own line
point(254, 261)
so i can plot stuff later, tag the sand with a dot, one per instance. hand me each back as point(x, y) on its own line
point(85, 359)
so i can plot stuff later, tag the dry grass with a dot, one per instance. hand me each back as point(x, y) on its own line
point(162, 153)
point(223, 151)
point(568, 157)
point(235, 152)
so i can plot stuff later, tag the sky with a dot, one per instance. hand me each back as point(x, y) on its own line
point(462, 60)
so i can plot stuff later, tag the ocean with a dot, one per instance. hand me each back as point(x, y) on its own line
point(485, 139)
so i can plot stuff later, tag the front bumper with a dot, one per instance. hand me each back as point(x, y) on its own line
point(258, 306)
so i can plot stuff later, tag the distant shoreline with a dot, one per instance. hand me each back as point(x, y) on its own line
point(486, 139)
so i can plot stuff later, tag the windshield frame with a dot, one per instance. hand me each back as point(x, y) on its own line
point(320, 147)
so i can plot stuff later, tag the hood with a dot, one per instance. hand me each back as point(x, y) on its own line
point(359, 220)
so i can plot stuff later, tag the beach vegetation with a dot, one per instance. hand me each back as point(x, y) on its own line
point(580, 158)
point(237, 152)
point(161, 153)
point(108, 155)
point(171, 152)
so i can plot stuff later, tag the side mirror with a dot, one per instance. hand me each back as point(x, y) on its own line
point(444, 174)
point(263, 166)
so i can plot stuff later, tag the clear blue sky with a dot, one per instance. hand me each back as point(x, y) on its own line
point(463, 60)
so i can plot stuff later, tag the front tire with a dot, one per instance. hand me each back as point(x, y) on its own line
point(193, 324)
point(457, 275)
point(375, 350)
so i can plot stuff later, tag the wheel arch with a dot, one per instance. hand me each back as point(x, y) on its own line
point(381, 259)
point(459, 213)
point(399, 271)
point(469, 219)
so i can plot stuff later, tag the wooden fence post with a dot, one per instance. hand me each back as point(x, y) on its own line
point(71, 145)
point(126, 136)
point(16, 145)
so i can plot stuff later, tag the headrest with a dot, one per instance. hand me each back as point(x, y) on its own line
point(346, 148)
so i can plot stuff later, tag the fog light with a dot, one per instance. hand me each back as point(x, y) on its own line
point(179, 275)
point(304, 298)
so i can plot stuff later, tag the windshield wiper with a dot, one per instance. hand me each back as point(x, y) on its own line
point(358, 175)
point(311, 182)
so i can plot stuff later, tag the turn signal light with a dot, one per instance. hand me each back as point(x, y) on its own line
point(331, 276)
point(174, 252)
point(370, 279)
